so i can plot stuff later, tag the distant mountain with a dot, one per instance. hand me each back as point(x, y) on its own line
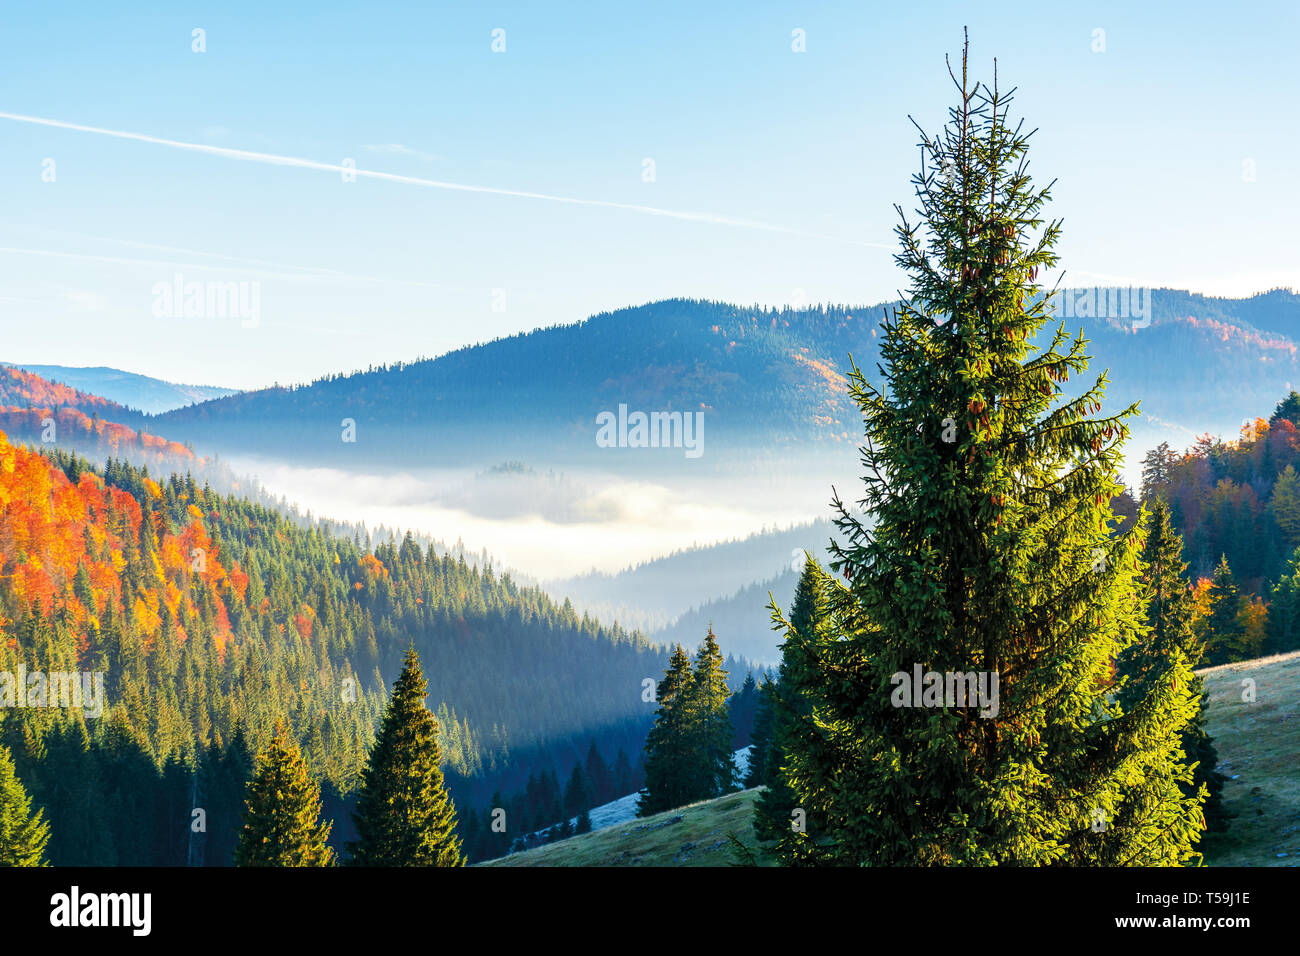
point(767, 384)
point(22, 388)
point(139, 392)
point(653, 595)
point(54, 415)
point(757, 378)
point(742, 621)
point(1276, 311)
point(1203, 363)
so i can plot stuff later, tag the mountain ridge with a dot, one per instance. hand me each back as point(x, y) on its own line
point(766, 380)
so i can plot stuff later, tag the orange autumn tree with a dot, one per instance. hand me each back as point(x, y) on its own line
point(64, 549)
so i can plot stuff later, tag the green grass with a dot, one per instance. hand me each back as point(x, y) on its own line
point(1258, 742)
point(695, 835)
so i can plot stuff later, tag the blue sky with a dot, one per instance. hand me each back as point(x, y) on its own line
point(1150, 141)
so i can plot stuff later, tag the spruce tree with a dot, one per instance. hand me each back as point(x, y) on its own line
point(554, 796)
point(1144, 664)
point(804, 754)
point(712, 733)
point(990, 555)
point(1288, 408)
point(1285, 506)
point(577, 792)
point(1156, 466)
point(1284, 609)
point(404, 816)
point(1168, 602)
point(744, 708)
point(1199, 747)
point(623, 780)
point(1219, 629)
point(23, 834)
point(668, 763)
point(761, 738)
point(282, 825)
point(599, 776)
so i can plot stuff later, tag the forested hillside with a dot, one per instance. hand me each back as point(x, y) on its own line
point(1225, 499)
point(43, 412)
point(1236, 503)
point(28, 390)
point(211, 619)
point(93, 436)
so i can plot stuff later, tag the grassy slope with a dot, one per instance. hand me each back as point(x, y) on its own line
point(696, 835)
point(1259, 742)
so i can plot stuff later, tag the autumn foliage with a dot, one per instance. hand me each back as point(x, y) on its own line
point(71, 425)
point(23, 388)
point(51, 529)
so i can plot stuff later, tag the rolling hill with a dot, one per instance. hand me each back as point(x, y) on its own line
point(139, 392)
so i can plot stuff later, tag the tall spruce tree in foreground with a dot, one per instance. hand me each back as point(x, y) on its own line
point(991, 552)
point(404, 815)
point(23, 834)
point(282, 825)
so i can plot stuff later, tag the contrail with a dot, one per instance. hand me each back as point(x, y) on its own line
point(273, 159)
